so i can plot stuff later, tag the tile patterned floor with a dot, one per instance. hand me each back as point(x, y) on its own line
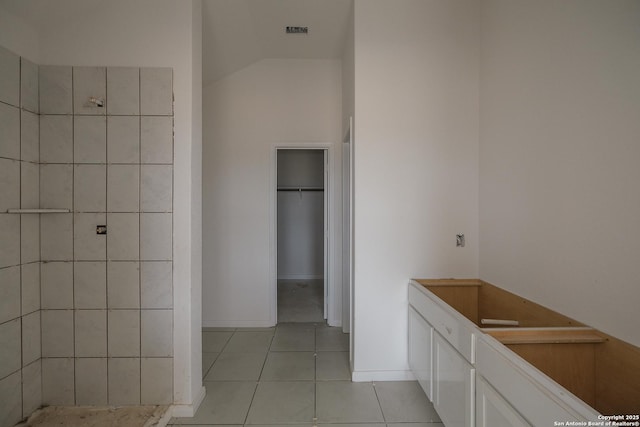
point(297, 374)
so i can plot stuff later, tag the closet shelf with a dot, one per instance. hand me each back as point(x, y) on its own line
point(37, 211)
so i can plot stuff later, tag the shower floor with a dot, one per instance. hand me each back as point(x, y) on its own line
point(126, 416)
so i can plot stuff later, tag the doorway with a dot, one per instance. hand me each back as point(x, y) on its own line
point(301, 233)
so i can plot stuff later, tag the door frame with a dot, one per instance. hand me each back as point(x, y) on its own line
point(332, 287)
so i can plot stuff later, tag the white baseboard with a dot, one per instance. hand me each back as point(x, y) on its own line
point(183, 411)
point(237, 323)
point(366, 376)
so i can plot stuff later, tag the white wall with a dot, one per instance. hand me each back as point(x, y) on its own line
point(348, 105)
point(154, 33)
point(247, 114)
point(416, 164)
point(18, 36)
point(559, 157)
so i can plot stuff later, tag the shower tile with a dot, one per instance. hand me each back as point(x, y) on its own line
point(30, 185)
point(57, 333)
point(157, 333)
point(56, 186)
point(30, 137)
point(91, 333)
point(123, 284)
point(123, 90)
point(90, 139)
point(10, 238)
point(156, 381)
point(123, 236)
point(55, 89)
point(90, 188)
point(123, 182)
point(88, 245)
point(57, 285)
point(9, 132)
point(89, 82)
point(58, 381)
point(56, 237)
point(156, 284)
point(124, 381)
point(10, 399)
point(56, 139)
point(31, 333)
point(9, 293)
point(31, 387)
point(156, 140)
point(9, 77)
point(29, 85)
point(156, 236)
point(156, 91)
point(156, 188)
point(90, 285)
point(123, 139)
point(30, 238)
point(91, 382)
point(124, 333)
point(10, 347)
point(30, 287)
point(9, 184)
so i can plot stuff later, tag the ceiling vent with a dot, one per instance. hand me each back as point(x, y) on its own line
point(297, 30)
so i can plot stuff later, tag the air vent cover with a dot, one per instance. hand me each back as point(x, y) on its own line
point(297, 30)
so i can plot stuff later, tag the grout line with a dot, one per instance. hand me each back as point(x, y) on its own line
point(73, 240)
point(140, 239)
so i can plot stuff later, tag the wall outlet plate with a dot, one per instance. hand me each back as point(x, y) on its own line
point(101, 229)
point(460, 240)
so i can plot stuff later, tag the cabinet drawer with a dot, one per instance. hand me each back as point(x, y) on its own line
point(452, 329)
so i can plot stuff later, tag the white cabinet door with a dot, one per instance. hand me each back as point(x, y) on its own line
point(420, 333)
point(453, 385)
point(492, 410)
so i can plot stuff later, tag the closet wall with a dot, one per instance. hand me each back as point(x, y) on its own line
point(96, 312)
point(300, 214)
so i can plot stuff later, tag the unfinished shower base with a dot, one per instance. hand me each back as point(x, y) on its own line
point(126, 416)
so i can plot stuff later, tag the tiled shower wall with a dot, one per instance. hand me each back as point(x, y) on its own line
point(105, 302)
point(20, 363)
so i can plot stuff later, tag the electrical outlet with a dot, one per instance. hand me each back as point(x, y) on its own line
point(460, 240)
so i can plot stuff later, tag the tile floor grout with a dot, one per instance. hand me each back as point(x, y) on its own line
point(276, 381)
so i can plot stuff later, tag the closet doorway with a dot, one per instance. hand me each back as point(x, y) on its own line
point(301, 232)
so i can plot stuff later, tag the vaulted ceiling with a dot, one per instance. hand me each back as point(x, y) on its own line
point(237, 33)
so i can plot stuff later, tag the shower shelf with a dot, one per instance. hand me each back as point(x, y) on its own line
point(37, 211)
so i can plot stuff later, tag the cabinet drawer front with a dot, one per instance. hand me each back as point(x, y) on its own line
point(453, 385)
point(523, 391)
point(420, 350)
point(452, 329)
point(492, 410)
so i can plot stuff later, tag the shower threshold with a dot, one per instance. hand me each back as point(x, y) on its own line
point(92, 416)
